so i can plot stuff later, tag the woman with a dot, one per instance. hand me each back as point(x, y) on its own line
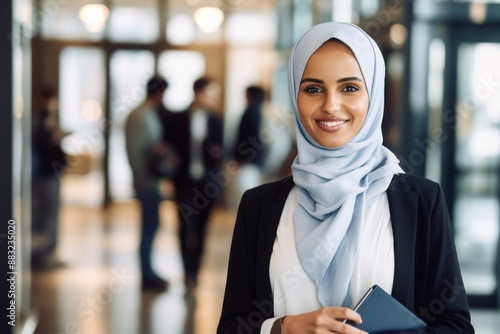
point(305, 249)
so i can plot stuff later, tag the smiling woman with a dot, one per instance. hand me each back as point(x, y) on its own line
point(305, 249)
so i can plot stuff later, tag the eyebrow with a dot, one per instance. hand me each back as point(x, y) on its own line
point(339, 80)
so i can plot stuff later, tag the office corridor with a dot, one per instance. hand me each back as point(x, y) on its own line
point(98, 292)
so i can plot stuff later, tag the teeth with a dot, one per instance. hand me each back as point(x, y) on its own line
point(332, 123)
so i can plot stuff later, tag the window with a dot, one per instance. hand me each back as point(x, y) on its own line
point(180, 69)
point(81, 105)
point(130, 71)
point(134, 21)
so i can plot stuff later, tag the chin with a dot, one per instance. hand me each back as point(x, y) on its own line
point(333, 144)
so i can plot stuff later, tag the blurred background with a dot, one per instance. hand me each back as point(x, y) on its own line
point(442, 120)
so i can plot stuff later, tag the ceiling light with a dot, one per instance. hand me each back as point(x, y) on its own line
point(398, 34)
point(208, 19)
point(91, 110)
point(94, 17)
point(477, 12)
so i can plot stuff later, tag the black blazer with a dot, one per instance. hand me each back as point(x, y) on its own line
point(176, 126)
point(427, 278)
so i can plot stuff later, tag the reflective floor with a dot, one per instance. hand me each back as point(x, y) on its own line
point(98, 291)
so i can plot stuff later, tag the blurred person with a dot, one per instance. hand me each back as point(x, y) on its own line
point(48, 164)
point(305, 249)
point(249, 149)
point(143, 136)
point(196, 135)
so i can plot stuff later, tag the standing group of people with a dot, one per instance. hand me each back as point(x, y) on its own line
point(191, 143)
point(185, 147)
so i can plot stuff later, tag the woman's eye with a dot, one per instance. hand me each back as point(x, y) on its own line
point(312, 90)
point(350, 89)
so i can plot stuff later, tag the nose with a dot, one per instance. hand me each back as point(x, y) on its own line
point(332, 103)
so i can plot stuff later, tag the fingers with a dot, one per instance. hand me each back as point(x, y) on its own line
point(342, 314)
point(326, 320)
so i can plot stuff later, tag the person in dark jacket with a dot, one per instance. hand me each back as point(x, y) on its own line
point(249, 149)
point(196, 136)
point(306, 249)
point(48, 165)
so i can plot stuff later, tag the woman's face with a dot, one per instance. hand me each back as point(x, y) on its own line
point(332, 98)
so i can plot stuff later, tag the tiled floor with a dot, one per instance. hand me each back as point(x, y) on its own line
point(98, 292)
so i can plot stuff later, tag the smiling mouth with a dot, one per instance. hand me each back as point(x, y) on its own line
point(332, 124)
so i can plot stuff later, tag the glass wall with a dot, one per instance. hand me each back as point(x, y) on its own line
point(477, 159)
point(452, 132)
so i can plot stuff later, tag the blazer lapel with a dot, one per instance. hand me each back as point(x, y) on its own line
point(269, 218)
point(403, 203)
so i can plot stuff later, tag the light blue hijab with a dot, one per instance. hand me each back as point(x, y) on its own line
point(336, 185)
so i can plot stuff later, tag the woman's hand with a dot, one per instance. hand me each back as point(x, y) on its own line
point(325, 320)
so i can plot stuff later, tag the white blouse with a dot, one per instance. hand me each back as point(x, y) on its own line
point(199, 131)
point(294, 292)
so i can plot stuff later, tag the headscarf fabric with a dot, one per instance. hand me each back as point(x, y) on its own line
point(336, 185)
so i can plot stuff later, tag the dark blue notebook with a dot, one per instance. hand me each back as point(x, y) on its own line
point(382, 313)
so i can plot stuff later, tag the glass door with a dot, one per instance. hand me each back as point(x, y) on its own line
point(477, 161)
